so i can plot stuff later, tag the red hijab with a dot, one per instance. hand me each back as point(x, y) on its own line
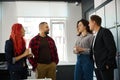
point(17, 38)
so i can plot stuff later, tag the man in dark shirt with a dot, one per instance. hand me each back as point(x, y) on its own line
point(45, 54)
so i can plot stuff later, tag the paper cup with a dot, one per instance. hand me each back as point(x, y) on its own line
point(74, 49)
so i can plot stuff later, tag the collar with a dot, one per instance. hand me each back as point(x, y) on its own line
point(84, 35)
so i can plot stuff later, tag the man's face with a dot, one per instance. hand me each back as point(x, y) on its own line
point(91, 24)
point(45, 28)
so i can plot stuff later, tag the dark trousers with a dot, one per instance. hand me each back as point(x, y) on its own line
point(104, 74)
point(18, 75)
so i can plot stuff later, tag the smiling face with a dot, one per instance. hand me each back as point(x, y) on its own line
point(95, 21)
point(91, 24)
point(22, 32)
point(81, 27)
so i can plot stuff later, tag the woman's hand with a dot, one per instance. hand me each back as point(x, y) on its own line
point(26, 53)
point(78, 49)
point(75, 50)
point(30, 55)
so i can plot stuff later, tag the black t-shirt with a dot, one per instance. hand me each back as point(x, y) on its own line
point(44, 52)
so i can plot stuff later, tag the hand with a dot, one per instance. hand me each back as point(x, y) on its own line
point(79, 49)
point(30, 55)
point(26, 53)
point(107, 67)
point(75, 50)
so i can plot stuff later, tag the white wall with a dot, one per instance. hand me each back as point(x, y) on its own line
point(0, 24)
point(74, 14)
point(98, 2)
point(41, 9)
point(8, 18)
point(11, 10)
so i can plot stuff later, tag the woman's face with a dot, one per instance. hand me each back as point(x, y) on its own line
point(22, 31)
point(81, 27)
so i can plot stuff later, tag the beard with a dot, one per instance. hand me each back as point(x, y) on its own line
point(47, 32)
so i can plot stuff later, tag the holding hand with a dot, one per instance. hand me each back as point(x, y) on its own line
point(28, 53)
point(78, 49)
point(25, 54)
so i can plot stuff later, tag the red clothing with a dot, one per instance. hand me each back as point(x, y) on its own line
point(35, 44)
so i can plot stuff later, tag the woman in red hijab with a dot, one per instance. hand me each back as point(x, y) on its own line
point(16, 53)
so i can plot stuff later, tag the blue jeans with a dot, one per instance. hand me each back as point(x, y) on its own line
point(84, 68)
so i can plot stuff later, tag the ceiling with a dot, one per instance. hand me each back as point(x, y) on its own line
point(45, 0)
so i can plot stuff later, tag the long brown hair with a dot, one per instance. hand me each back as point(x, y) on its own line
point(17, 38)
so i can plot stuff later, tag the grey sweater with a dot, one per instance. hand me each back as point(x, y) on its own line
point(85, 42)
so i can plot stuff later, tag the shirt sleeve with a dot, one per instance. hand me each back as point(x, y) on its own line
point(56, 54)
point(32, 59)
point(110, 45)
point(9, 52)
point(76, 44)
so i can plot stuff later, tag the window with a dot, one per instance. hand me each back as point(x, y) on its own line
point(57, 32)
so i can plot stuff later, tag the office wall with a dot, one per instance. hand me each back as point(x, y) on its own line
point(8, 18)
point(0, 24)
point(87, 5)
point(74, 14)
point(41, 9)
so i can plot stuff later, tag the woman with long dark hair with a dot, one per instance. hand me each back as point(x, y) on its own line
point(16, 53)
point(84, 65)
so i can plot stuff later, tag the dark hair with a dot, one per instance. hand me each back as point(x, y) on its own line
point(86, 24)
point(42, 24)
point(97, 19)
